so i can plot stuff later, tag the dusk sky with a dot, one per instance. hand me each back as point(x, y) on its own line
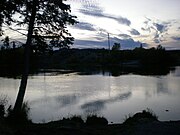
point(129, 22)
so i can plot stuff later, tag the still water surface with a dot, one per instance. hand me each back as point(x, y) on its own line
point(52, 97)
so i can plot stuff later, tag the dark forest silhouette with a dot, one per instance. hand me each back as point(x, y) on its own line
point(153, 61)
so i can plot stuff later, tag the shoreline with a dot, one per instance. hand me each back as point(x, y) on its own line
point(140, 124)
point(54, 128)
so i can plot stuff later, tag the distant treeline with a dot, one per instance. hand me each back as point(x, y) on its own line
point(101, 57)
point(11, 61)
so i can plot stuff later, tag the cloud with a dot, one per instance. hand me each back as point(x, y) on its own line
point(84, 26)
point(93, 10)
point(124, 36)
point(127, 43)
point(161, 29)
point(143, 29)
point(158, 26)
point(120, 20)
point(158, 29)
point(156, 40)
point(134, 32)
point(97, 11)
point(176, 38)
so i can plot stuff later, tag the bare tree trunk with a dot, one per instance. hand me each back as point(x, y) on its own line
point(23, 84)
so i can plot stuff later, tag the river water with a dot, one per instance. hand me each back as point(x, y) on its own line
point(53, 96)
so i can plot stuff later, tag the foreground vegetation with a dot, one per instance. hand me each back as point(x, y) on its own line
point(141, 123)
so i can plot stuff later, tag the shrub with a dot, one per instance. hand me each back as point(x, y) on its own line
point(145, 115)
point(96, 121)
point(77, 119)
point(3, 104)
point(2, 111)
point(20, 117)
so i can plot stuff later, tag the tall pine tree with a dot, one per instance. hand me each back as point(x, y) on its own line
point(41, 18)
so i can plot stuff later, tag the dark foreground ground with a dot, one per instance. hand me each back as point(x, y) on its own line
point(140, 127)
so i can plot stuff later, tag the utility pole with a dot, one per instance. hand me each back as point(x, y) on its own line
point(109, 42)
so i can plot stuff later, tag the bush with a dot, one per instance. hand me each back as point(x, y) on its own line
point(73, 121)
point(2, 111)
point(20, 117)
point(3, 103)
point(77, 119)
point(145, 115)
point(96, 121)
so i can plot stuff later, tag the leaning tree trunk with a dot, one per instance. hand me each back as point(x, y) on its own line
point(23, 84)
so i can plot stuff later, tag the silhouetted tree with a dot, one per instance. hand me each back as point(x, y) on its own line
point(14, 44)
point(6, 42)
point(43, 18)
point(116, 46)
point(2, 47)
point(159, 47)
point(141, 46)
point(39, 45)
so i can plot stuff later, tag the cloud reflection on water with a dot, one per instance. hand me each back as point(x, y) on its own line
point(98, 105)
